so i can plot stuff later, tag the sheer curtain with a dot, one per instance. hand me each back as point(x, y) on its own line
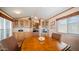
point(73, 25)
point(68, 25)
point(1, 28)
point(62, 26)
point(5, 28)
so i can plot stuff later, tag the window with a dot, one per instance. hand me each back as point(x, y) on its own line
point(73, 25)
point(62, 25)
point(69, 25)
point(5, 28)
point(1, 28)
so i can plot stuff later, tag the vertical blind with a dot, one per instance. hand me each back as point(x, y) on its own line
point(5, 28)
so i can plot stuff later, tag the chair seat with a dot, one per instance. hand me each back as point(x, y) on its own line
point(10, 43)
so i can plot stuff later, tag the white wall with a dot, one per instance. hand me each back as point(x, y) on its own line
point(52, 28)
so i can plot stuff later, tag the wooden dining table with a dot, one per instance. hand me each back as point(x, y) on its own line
point(33, 44)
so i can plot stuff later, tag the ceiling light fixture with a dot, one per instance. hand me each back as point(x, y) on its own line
point(17, 12)
point(36, 17)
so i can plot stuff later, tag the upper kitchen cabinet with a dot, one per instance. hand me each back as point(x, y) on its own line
point(22, 22)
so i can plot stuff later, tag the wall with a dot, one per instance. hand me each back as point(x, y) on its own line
point(71, 39)
point(52, 26)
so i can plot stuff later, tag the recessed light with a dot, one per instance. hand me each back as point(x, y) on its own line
point(17, 12)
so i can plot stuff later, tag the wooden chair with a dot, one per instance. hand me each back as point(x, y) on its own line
point(56, 36)
point(10, 43)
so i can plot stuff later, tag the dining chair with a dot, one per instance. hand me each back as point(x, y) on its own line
point(10, 43)
point(56, 36)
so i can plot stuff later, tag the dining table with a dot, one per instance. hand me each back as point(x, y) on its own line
point(48, 44)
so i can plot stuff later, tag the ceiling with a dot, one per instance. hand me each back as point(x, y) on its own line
point(41, 12)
